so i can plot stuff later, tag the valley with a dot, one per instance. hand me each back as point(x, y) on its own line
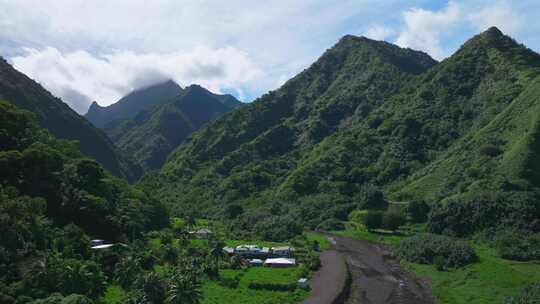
point(376, 175)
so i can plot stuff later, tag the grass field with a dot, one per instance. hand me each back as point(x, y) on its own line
point(489, 281)
point(214, 293)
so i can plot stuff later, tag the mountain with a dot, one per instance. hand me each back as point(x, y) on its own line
point(368, 115)
point(57, 117)
point(152, 134)
point(133, 103)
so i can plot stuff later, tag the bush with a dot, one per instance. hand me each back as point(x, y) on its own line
point(330, 225)
point(439, 262)
point(392, 220)
point(463, 217)
point(370, 198)
point(229, 282)
point(272, 286)
point(373, 220)
point(423, 248)
point(530, 295)
point(489, 150)
point(418, 211)
point(518, 245)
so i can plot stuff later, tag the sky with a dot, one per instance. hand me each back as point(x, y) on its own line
point(100, 50)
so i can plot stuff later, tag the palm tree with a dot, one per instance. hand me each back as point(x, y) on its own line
point(153, 289)
point(216, 252)
point(183, 289)
point(190, 221)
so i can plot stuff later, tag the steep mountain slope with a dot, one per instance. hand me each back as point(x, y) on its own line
point(366, 114)
point(153, 134)
point(133, 103)
point(256, 147)
point(60, 119)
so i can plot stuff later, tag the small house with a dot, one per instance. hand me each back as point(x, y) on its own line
point(280, 263)
point(256, 262)
point(283, 251)
point(202, 233)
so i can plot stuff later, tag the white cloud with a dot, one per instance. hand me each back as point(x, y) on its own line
point(500, 14)
point(424, 28)
point(80, 77)
point(379, 32)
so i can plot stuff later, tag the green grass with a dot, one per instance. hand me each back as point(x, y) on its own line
point(113, 295)
point(357, 230)
point(324, 244)
point(214, 293)
point(491, 280)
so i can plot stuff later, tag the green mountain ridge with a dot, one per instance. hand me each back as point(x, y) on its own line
point(61, 120)
point(367, 114)
point(130, 105)
point(153, 133)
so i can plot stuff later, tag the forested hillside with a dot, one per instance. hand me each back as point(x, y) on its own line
point(52, 202)
point(61, 120)
point(153, 133)
point(369, 116)
point(133, 103)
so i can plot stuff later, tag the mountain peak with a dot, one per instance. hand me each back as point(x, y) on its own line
point(136, 101)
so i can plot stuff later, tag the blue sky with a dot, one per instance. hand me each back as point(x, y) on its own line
point(101, 50)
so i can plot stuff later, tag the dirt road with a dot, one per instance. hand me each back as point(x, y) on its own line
point(374, 278)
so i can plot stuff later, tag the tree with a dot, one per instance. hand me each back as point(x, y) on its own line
point(418, 211)
point(190, 221)
point(183, 288)
point(392, 220)
point(369, 198)
point(373, 220)
point(216, 252)
point(153, 289)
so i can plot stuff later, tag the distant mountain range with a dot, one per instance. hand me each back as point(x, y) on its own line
point(149, 123)
point(369, 114)
point(56, 116)
point(133, 103)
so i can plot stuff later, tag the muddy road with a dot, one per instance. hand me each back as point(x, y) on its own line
point(372, 277)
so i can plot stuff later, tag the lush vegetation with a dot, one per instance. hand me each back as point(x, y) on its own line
point(61, 121)
point(171, 114)
point(370, 118)
point(52, 202)
point(531, 294)
point(490, 280)
point(436, 249)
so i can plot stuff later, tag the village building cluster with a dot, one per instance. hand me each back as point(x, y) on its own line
point(278, 257)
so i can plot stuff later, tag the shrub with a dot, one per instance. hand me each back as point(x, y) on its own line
point(518, 245)
point(369, 198)
point(489, 150)
point(463, 217)
point(272, 286)
point(530, 295)
point(423, 248)
point(439, 262)
point(229, 282)
point(418, 211)
point(392, 220)
point(373, 220)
